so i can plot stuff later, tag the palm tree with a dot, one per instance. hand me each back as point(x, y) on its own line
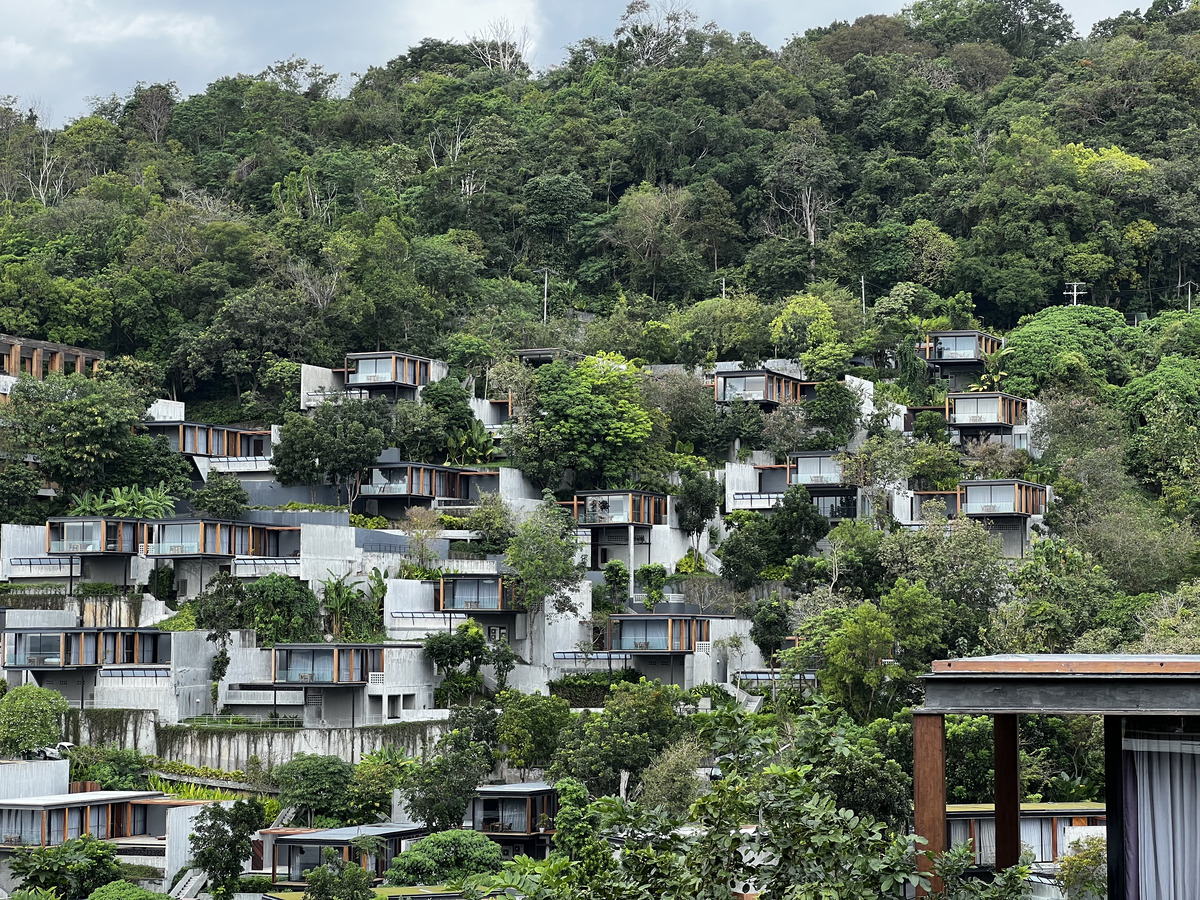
point(993, 374)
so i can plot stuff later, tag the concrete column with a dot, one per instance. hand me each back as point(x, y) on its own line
point(929, 784)
point(1008, 791)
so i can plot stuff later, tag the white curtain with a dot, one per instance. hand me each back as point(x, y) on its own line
point(1166, 825)
point(985, 841)
point(512, 815)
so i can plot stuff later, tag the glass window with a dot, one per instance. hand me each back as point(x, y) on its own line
point(817, 470)
point(98, 822)
point(957, 347)
point(54, 827)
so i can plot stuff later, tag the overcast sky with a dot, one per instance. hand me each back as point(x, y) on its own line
point(55, 53)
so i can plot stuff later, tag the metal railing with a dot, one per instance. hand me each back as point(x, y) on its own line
point(244, 721)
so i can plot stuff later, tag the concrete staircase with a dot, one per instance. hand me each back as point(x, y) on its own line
point(190, 885)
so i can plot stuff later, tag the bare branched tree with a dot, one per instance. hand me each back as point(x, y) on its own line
point(501, 46)
point(444, 144)
point(319, 286)
point(45, 169)
point(652, 31)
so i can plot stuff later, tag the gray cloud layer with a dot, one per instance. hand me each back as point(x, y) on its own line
point(54, 53)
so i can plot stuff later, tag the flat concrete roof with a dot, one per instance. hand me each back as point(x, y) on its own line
point(1066, 684)
point(345, 835)
point(526, 787)
point(83, 798)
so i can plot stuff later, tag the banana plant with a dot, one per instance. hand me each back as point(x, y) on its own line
point(993, 374)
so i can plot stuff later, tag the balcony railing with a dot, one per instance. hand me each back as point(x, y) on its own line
point(168, 548)
point(943, 353)
point(743, 395)
point(370, 378)
point(95, 546)
point(35, 660)
point(385, 489)
point(817, 477)
point(304, 676)
point(991, 507)
point(642, 643)
point(992, 418)
point(471, 603)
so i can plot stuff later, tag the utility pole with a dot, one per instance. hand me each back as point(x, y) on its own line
point(1189, 285)
point(722, 287)
point(545, 272)
point(862, 281)
point(1075, 291)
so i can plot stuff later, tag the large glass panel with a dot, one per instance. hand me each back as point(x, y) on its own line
point(39, 650)
point(957, 347)
point(836, 507)
point(372, 370)
point(635, 635)
point(816, 470)
point(609, 508)
point(990, 498)
point(177, 539)
point(968, 410)
point(54, 827)
point(74, 822)
point(98, 822)
point(79, 537)
point(1162, 790)
point(20, 826)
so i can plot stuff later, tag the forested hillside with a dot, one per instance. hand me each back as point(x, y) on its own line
point(989, 153)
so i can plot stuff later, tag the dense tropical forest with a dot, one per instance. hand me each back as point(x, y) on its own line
point(679, 194)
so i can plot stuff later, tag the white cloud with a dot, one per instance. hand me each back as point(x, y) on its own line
point(458, 19)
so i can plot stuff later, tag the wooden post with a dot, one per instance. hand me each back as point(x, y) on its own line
point(929, 785)
point(1114, 805)
point(1008, 791)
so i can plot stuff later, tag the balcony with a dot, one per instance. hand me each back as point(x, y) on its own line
point(370, 378)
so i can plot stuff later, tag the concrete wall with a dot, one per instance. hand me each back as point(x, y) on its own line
point(191, 660)
point(127, 729)
point(163, 410)
point(33, 778)
point(178, 834)
point(325, 549)
point(316, 378)
point(229, 749)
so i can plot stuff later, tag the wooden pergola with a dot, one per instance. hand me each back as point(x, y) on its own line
point(1118, 688)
